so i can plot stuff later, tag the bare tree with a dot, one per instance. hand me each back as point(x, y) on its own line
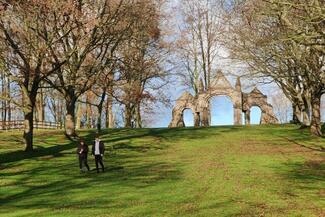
point(262, 39)
point(198, 45)
point(141, 58)
point(282, 106)
point(6, 106)
point(55, 104)
point(98, 29)
point(26, 39)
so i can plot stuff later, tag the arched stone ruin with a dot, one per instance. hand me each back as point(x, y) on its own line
point(220, 86)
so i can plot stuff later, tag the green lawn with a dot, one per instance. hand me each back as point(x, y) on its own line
point(226, 171)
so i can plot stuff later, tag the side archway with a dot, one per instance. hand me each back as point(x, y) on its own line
point(188, 118)
point(256, 98)
point(256, 115)
point(186, 101)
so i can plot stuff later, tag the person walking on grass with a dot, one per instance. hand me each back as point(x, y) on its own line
point(98, 150)
point(82, 152)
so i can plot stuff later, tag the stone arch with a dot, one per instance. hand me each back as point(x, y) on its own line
point(257, 98)
point(187, 112)
point(186, 101)
point(256, 110)
point(220, 86)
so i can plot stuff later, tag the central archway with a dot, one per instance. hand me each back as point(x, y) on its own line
point(188, 117)
point(221, 111)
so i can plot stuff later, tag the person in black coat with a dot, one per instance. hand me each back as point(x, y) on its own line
point(98, 150)
point(82, 152)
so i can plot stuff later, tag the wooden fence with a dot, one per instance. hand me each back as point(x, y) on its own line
point(19, 124)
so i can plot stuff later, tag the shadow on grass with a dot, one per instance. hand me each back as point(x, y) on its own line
point(142, 148)
point(127, 169)
point(114, 136)
point(305, 176)
point(167, 133)
point(293, 134)
point(314, 147)
point(54, 186)
point(38, 152)
point(46, 149)
point(309, 172)
point(44, 194)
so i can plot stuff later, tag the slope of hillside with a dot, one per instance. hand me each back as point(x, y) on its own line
point(224, 171)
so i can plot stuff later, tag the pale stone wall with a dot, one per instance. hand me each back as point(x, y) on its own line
point(220, 86)
point(256, 98)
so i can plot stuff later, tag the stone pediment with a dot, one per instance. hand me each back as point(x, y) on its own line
point(220, 81)
point(186, 96)
point(257, 92)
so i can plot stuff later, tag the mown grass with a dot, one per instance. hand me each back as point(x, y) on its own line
point(224, 171)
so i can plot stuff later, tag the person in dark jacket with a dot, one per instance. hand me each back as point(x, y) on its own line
point(82, 152)
point(98, 150)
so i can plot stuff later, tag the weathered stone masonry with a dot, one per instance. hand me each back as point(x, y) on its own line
point(220, 86)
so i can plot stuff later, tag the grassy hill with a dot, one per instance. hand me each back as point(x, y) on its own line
point(226, 171)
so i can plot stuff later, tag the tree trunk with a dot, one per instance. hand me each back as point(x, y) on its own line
point(138, 116)
point(40, 107)
point(307, 111)
point(100, 111)
point(109, 112)
point(9, 95)
point(70, 129)
point(296, 114)
point(128, 116)
point(60, 116)
point(99, 119)
point(28, 129)
point(3, 102)
point(88, 111)
point(79, 115)
point(316, 117)
point(306, 117)
point(29, 105)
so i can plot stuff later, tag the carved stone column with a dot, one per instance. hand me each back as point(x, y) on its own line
point(180, 123)
point(268, 117)
point(180, 120)
point(205, 118)
point(177, 120)
point(197, 119)
point(237, 114)
point(264, 119)
point(248, 117)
